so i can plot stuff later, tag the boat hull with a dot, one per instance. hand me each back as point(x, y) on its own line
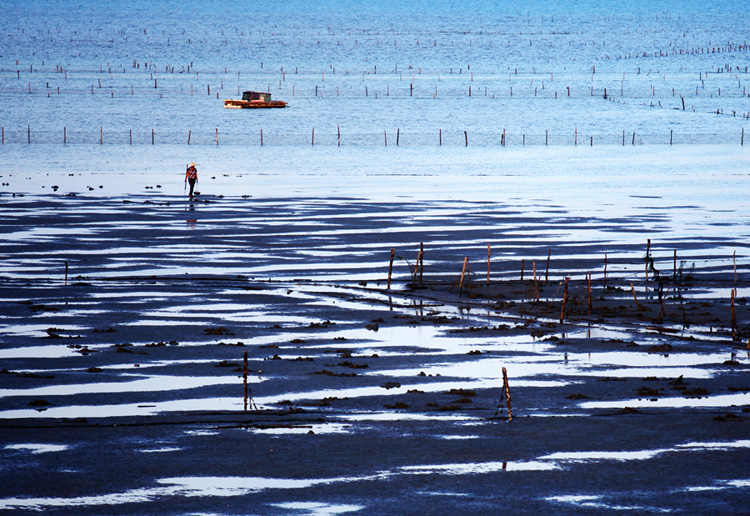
point(249, 104)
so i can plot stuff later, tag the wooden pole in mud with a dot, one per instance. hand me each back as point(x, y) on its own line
point(506, 389)
point(390, 268)
point(565, 300)
point(101, 135)
point(523, 266)
point(661, 311)
point(416, 268)
point(312, 141)
point(632, 289)
point(217, 136)
point(546, 270)
point(536, 284)
point(385, 137)
point(734, 262)
point(440, 137)
point(244, 377)
point(463, 273)
point(648, 256)
point(398, 136)
point(466, 139)
point(152, 136)
point(66, 274)
point(674, 267)
point(131, 137)
point(588, 287)
point(189, 134)
point(338, 134)
point(261, 137)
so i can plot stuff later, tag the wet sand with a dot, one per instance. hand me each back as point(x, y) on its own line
point(123, 388)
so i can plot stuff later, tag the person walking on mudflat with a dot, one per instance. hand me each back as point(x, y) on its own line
point(191, 176)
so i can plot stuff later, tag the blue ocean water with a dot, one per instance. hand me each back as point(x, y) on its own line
point(362, 73)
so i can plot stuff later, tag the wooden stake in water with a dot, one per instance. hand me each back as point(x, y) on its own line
point(564, 301)
point(632, 288)
point(506, 389)
point(523, 266)
point(661, 311)
point(390, 268)
point(588, 287)
point(546, 270)
point(66, 274)
point(463, 273)
point(416, 268)
point(734, 262)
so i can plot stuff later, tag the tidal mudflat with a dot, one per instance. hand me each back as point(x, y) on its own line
point(621, 324)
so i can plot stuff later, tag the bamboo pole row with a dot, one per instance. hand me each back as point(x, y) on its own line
point(465, 277)
point(503, 137)
point(151, 67)
point(123, 91)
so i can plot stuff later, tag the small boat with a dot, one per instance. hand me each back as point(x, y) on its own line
point(254, 99)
